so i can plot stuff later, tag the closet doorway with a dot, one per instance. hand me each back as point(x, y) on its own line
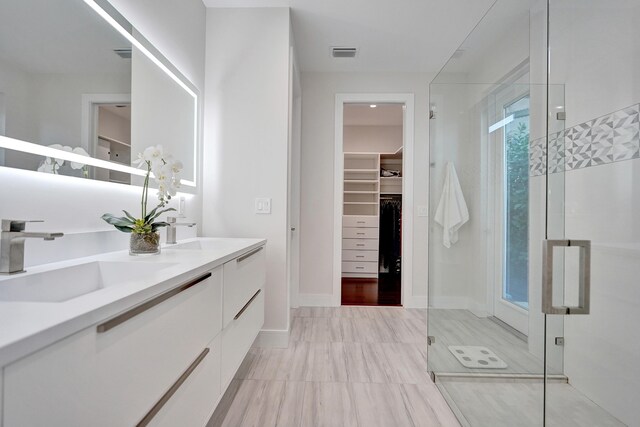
point(374, 223)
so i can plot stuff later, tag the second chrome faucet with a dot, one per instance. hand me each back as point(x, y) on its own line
point(171, 228)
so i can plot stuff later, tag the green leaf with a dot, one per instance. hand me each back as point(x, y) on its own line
point(157, 225)
point(124, 229)
point(117, 221)
point(150, 214)
point(131, 217)
point(157, 214)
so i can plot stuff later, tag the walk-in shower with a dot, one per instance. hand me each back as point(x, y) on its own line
point(537, 115)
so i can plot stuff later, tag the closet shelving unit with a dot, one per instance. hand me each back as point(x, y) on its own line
point(392, 184)
point(360, 220)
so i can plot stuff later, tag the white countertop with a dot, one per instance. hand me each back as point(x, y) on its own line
point(26, 327)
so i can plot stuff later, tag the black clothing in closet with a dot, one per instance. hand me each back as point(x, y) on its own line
point(390, 234)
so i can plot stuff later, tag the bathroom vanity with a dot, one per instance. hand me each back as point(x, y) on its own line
point(103, 344)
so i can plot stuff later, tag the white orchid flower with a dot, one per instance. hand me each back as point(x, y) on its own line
point(82, 152)
point(162, 174)
point(60, 162)
point(140, 161)
point(46, 166)
point(176, 166)
point(153, 154)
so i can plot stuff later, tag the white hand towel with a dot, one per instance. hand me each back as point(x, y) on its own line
point(452, 210)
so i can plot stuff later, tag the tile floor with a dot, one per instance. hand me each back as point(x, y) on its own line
point(345, 366)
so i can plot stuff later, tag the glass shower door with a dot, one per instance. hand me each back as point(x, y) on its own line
point(594, 50)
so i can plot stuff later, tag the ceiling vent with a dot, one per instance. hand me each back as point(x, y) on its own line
point(124, 53)
point(344, 52)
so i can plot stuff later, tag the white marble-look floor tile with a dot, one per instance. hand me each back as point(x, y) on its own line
point(345, 366)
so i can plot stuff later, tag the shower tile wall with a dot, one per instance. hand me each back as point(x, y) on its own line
point(611, 138)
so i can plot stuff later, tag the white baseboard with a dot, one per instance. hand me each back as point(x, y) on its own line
point(415, 302)
point(449, 302)
point(316, 300)
point(479, 310)
point(272, 338)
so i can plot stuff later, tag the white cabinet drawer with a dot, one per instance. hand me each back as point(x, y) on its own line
point(240, 334)
point(360, 233)
point(114, 377)
point(353, 255)
point(242, 278)
point(359, 267)
point(360, 221)
point(193, 402)
point(360, 244)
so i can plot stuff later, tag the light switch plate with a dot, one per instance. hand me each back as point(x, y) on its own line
point(263, 205)
point(181, 206)
point(423, 210)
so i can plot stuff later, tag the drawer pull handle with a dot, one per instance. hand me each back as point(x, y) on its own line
point(165, 397)
point(360, 268)
point(242, 310)
point(360, 234)
point(360, 222)
point(121, 318)
point(359, 244)
point(359, 256)
point(249, 254)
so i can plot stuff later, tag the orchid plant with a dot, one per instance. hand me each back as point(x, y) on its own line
point(166, 174)
point(52, 165)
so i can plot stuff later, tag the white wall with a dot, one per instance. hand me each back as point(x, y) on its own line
point(317, 209)
point(162, 113)
point(74, 205)
point(246, 137)
point(372, 139)
point(114, 126)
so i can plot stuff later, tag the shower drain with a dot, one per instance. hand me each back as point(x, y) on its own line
point(477, 357)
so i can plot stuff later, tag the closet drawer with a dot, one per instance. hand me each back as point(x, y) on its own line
point(353, 255)
point(194, 399)
point(240, 334)
point(360, 244)
point(360, 221)
point(359, 267)
point(360, 233)
point(114, 374)
point(243, 276)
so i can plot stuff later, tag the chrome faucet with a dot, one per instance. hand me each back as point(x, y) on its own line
point(171, 228)
point(12, 244)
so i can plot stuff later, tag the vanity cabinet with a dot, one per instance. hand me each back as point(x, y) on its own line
point(164, 362)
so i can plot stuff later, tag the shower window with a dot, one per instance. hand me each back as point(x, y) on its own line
point(515, 286)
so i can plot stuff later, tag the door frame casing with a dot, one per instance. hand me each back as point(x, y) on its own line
point(407, 187)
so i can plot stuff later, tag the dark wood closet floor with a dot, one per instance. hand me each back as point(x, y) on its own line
point(382, 291)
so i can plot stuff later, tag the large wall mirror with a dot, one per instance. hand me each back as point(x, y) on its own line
point(82, 93)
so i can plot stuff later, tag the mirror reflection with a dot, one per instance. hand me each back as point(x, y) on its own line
point(70, 81)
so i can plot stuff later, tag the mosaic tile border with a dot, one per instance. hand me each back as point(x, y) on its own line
point(611, 138)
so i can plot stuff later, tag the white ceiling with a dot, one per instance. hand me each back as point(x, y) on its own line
point(381, 115)
point(58, 36)
point(391, 35)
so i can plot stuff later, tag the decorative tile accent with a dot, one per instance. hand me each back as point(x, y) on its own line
point(537, 156)
point(557, 152)
point(611, 138)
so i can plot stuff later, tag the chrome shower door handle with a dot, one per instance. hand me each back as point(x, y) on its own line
point(584, 277)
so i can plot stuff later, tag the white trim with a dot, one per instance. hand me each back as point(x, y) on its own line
point(458, 303)
point(87, 116)
point(272, 338)
point(407, 191)
point(315, 300)
point(415, 301)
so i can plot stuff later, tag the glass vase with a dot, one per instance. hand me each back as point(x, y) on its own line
point(144, 244)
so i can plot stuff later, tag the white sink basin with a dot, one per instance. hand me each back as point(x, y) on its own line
point(67, 283)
